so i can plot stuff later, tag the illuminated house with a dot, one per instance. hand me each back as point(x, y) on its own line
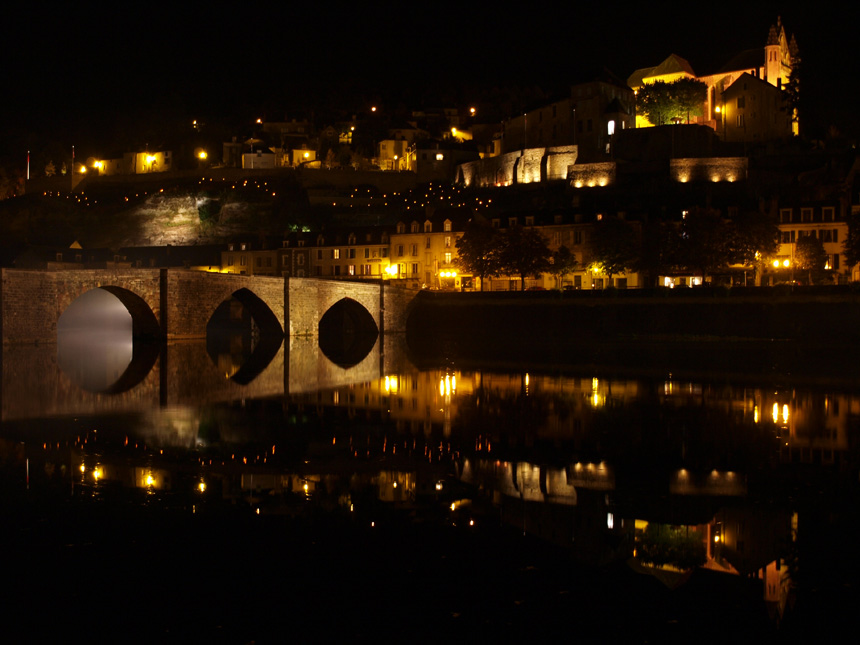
point(358, 254)
point(135, 163)
point(772, 64)
point(423, 254)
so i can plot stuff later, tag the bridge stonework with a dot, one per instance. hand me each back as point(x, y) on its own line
point(177, 304)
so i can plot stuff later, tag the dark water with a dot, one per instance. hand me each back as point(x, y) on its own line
point(307, 499)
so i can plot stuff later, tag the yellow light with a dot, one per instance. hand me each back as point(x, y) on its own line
point(83, 169)
point(97, 473)
point(83, 468)
point(776, 264)
point(201, 154)
point(785, 413)
point(775, 412)
point(395, 484)
point(99, 165)
point(150, 158)
point(149, 479)
point(716, 538)
point(785, 263)
point(201, 487)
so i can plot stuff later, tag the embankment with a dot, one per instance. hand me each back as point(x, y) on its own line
point(812, 331)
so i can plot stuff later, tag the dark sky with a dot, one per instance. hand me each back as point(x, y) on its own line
point(77, 72)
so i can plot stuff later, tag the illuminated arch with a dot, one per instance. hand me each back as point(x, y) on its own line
point(144, 327)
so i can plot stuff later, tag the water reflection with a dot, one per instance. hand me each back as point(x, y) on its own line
point(679, 479)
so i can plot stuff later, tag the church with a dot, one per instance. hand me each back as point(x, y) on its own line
point(729, 113)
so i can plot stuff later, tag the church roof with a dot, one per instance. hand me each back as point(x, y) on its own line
point(674, 64)
point(749, 59)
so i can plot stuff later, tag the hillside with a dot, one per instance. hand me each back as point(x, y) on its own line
point(172, 211)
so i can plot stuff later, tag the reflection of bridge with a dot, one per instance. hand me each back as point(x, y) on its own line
point(175, 304)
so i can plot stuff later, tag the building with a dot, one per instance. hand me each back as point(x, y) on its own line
point(752, 111)
point(771, 64)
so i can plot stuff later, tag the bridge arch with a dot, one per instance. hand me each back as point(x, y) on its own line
point(99, 339)
point(144, 323)
point(347, 332)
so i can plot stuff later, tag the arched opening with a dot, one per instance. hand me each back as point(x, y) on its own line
point(243, 336)
point(106, 340)
point(347, 333)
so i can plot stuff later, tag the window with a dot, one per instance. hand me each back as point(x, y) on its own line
point(300, 260)
point(740, 120)
point(319, 254)
point(530, 220)
point(447, 226)
point(400, 250)
point(827, 213)
point(414, 268)
point(414, 227)
point(351, 254)
point(259, 262)
point(336, 269)
point(741, 102)
point(512, 221)
point(447, 242)
point(366, 253)
point(401, 227)
point(427, 243)
point(428, 226)
point(351, 269)
point(610, 127)
point(243, 260)
point(447, 258)
point(335, 254)
point(806, 214)
point(784, 215)
point(439, 156)
point(368, 269)
point(577, 237)
point(414, 249)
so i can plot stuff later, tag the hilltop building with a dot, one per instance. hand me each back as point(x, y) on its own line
point(772, 65)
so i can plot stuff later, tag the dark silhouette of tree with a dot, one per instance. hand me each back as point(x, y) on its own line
point(706, 242)
point(809, 256)
point(561, 263)
point(851, 244)
point(523, 252)
point(614, 246)
point(755, 237)
point(478, 250)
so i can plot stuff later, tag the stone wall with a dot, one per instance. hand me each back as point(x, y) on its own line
point(520, 167)
point(713, 169)
point(592, 174)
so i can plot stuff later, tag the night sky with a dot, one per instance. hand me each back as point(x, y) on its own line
point(84, 75)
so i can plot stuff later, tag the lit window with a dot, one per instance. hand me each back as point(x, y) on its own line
point(610, 127)
point(439, 156)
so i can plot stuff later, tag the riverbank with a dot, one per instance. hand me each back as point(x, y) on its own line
point(791, 334)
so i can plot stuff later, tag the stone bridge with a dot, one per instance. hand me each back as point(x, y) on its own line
point(173, 304)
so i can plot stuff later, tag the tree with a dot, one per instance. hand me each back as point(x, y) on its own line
point(809, 256)
point(523, 252)
point(614, 246)
point(706, 242)
point(478, 250)
point(561, 263)
point(690, 96)
point(662, 103)
point(851, 245)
